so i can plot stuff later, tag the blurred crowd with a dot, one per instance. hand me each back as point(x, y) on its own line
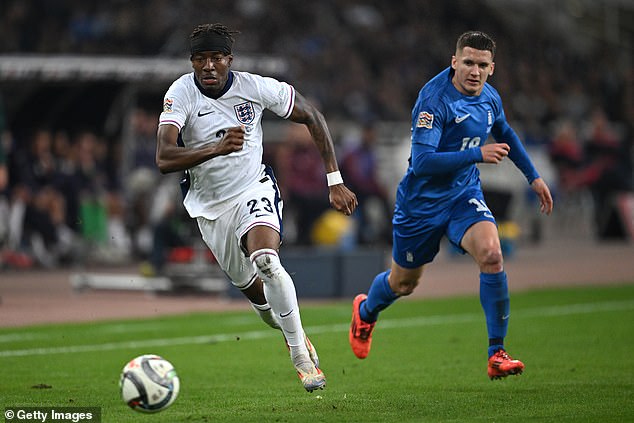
point(361, 61)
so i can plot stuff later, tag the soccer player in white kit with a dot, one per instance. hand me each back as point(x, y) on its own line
point(211, 128)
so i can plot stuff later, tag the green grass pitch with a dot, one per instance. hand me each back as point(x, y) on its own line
point(428, 364)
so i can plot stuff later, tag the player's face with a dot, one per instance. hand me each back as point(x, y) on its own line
point(212, 69)
point(472, 68)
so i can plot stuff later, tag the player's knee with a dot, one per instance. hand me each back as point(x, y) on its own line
point(266, 263)
point(491, 260)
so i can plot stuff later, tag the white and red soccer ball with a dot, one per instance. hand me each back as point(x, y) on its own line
point(149, 383)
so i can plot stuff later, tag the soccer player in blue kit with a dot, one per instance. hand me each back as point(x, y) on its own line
point(440, 195)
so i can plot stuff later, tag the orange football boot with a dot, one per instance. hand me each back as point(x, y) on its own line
point(502, 365)
point(360, 335)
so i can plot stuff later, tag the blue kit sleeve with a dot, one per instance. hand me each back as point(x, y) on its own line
point(427, 161)
point(518, 153)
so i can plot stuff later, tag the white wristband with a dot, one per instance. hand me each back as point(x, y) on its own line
point(334, 178)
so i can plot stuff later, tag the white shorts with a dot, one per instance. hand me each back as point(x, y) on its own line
point(260, 205)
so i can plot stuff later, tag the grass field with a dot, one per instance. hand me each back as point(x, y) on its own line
point(428, 364)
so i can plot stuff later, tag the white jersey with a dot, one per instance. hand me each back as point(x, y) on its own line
point(203, 120)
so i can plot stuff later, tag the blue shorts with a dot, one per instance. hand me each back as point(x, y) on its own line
point(417, 238)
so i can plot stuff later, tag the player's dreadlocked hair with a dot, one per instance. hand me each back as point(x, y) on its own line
point(477, 40)
point(217, 28)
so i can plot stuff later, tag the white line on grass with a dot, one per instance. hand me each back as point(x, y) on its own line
point(18, 337)
point(140, 327)
point(552, 311)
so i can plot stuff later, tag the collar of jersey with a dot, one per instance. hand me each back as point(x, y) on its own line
point(221, 93)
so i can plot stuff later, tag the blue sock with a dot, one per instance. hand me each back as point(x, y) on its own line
point(494, 297)
point(380, 296)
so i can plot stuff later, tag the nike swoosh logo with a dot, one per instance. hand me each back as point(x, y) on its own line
point(461, 118)
point(260, 215)
point(205, 114)
point(506, 317)
point(286, 314)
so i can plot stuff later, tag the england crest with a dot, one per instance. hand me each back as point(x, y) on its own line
point(245, 112)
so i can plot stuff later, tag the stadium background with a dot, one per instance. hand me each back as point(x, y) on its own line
point(73, 67)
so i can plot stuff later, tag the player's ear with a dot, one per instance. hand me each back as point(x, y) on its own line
point(454, 61)
point(229, 60)
point(492, 69)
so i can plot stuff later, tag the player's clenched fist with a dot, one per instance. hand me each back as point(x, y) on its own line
point(342, 199)
point(232, 141)
point(495, 152)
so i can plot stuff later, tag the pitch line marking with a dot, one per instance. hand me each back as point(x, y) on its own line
point(19, 337)
point(552, 311)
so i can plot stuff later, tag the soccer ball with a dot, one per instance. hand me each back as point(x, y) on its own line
point(149, 383)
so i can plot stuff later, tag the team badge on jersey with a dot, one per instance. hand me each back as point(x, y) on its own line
point(245, 112)
point(489, 121)
point(167, 105)
point(425, 120)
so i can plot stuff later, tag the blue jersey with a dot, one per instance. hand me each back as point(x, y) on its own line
point(447, 121)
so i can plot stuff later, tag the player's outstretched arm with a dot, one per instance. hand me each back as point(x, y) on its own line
point(341, 198)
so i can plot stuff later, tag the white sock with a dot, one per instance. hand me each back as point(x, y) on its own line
point(266, 314)
point(299, 355)
point(279, 290)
